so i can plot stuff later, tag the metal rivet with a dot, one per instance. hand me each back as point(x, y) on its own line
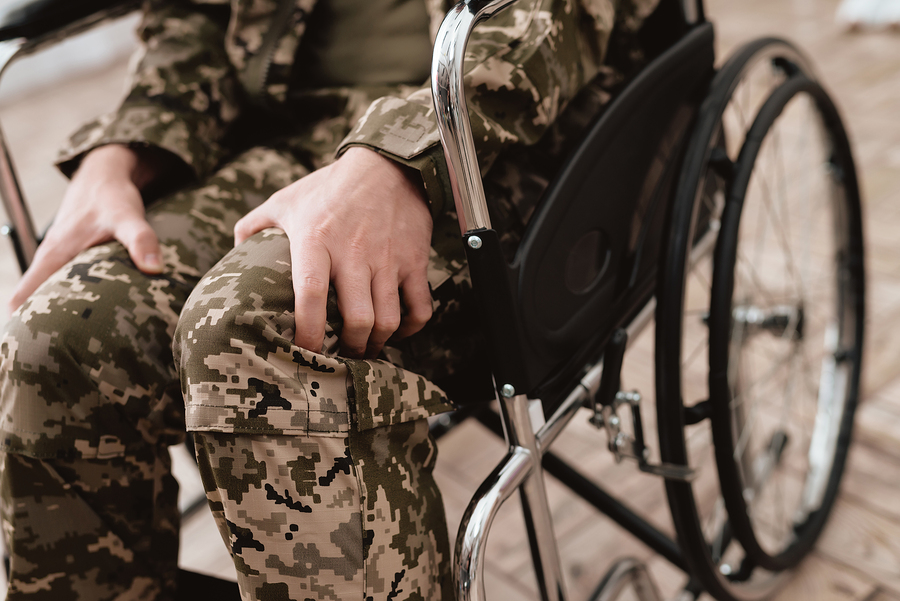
point(725, 569)
point(507, 390)
point(475, 242)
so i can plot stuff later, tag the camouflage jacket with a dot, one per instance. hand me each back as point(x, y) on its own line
point(204, 63)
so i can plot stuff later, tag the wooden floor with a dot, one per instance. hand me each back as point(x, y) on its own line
point(858, 557)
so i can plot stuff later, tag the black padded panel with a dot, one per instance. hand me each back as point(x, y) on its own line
point(584, 259)
point(33, 18)
point(600, 190)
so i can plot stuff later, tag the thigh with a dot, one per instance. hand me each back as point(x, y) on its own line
point(85, 364)
point(196, 225)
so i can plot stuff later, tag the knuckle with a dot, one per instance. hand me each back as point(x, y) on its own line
point(318, 235)
point(359, 320)
point(312, 285)
point(387, 324)
point(357, 246)
point(421, 313)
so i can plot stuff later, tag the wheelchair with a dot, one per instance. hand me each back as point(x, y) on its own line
point(721, 204)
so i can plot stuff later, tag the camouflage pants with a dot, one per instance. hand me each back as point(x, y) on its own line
point(317, 468)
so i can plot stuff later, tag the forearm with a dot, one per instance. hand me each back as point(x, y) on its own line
point(183, 93)
point(141, 166)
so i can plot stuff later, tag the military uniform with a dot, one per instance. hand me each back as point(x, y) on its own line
point(317, 467)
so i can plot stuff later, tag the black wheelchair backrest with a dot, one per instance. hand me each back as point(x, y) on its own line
point(591, 249)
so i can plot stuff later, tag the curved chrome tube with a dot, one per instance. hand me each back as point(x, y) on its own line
point(452, 114)
point(476, 522)
point(627, 572)
point(22, 226)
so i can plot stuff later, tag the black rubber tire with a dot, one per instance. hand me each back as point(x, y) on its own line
point(708, 166)
point(737, 342)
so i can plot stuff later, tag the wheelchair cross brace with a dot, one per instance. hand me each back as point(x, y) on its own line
point(520, 465)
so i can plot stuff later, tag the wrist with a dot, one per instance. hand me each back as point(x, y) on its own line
point(118, 161)
point(409, 177)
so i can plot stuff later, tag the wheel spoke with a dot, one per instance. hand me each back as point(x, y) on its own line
point(773, 374)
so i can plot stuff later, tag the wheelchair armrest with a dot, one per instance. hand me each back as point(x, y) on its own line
point(451, 112)
point(35, 18)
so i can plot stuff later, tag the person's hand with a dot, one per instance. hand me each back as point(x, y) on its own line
point(102, 203)
point(361, 224)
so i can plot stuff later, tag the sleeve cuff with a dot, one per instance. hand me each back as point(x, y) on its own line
point(402, 127)
point(187, 137)
point(404, 130)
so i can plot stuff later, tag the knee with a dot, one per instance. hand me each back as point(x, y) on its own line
point(243, 306)
point(45, 389)
point(37, 352)
point(98, 315)
point(74, 344)
point(88, 353)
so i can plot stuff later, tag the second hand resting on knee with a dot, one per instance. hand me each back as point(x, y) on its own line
point(359, 224)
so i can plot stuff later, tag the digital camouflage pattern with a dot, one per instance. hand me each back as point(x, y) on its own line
point(89, 393)
point(86, 367)
point(263, 382)
point(90, 401)
point(207, 63)
point(102, 414)
point(334, 518)
point(90, 529)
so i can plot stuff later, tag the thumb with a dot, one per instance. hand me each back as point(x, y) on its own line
point(142, 244)
point(254, 221)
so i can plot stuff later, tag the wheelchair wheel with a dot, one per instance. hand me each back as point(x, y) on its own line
point(786, 325)
point(685, 405)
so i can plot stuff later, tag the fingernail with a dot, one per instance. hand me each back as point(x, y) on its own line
point(151, 261)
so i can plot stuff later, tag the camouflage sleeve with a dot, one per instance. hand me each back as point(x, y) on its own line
point(522, 68)
point(182, 94)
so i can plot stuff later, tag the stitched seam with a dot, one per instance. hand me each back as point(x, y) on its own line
point(269, 429)
point(244, 407)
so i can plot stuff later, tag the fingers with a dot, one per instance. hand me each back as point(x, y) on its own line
point(311, 273)
point(142, 245)
point(386, 303)
point(354, 292)
point(417, 297)
point(339, 236)
point(135, 234)
point(370, 307)
point(47, 261)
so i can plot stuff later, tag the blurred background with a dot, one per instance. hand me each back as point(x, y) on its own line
point(44, 98)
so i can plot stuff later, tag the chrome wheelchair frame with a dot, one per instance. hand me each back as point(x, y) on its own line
point(676, 107)
point(519, 338)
